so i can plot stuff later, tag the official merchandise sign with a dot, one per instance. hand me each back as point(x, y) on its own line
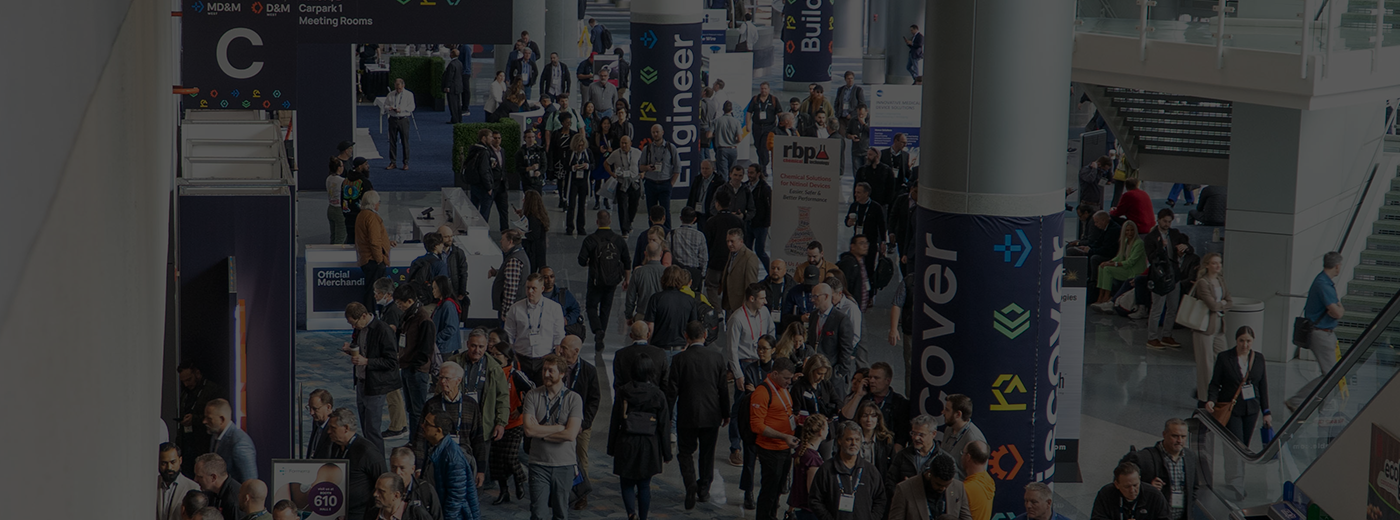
point(1383, 493)
point(896, 109)
point(666, 89)
point(1074, 292)
point(987, 325)
point(317, 487)
point(807, 30)
point(241, 54)
point(806, 196)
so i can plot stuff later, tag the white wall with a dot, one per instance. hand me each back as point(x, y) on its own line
point(87, 182)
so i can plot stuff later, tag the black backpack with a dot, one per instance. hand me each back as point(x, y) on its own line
point(607, 266)
point(884, 272)
point(743, 422)
point(710, 317)
point(1161, 275)
point(606, 37)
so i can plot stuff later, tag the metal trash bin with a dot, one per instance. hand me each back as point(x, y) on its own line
point(1250, 312)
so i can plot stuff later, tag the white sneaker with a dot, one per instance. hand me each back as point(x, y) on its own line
point(1105, 307)
point(1139, 314)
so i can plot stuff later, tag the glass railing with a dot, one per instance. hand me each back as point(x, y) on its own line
point(1249, 478)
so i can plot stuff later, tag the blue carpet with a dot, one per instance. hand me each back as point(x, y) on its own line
point(429, 147)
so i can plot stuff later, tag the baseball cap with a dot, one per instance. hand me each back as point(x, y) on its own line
point(810, 275)
point(358, 161)
point(344, 145)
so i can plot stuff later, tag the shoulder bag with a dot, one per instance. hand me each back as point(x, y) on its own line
point(1222, 410)
point(1193, 314)
point(638, 423)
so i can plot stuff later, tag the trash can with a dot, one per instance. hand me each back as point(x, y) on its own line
point(1249, 312)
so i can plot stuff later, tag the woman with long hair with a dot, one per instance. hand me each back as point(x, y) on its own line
point(496, 95)
point(603, 142)
point(1130, 262)
point(813, 394)
point(589, 112)
point(505, 452)
point(1240, 381)
point(793, 344)
point(639, 437)
point(806, 458)
point(1211, 291)
point(878, 446)
point(537, 218)
point(579, 163)
point(446, 316)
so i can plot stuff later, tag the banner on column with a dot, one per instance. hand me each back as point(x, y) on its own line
point(806, 196)
point(807, 28)
point(896, 109)
point(666, 90)
point(736, 69)
point(712, 31)
point(316, 487)
point(1069, 363)
point(987, 326)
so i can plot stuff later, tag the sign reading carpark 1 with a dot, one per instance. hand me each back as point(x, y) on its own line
point(241, 54)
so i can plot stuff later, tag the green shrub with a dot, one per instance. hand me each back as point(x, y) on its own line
point(435, 68)
point(464, 136)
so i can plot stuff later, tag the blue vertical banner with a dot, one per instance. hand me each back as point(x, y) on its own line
point(986, 325)
point(666, 89)
point(807, 29)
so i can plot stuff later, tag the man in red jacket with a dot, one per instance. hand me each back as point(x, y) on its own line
point(1135, 205)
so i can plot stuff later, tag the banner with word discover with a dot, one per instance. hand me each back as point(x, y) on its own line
point(806, 196)
point(317, 487)
point(987, 325)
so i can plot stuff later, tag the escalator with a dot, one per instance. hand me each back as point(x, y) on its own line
point(1266, 489)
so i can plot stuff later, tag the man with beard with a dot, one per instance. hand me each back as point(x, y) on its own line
point(173, 485)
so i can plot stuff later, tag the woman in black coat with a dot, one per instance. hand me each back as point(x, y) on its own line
point(1240, 365)
point(813, 394)
point(639, 437)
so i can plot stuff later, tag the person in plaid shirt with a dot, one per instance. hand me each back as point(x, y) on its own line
point(689, 248)
point(1169, 468)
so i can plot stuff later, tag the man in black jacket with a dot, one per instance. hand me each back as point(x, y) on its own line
point(581, 378)
point(867, 217)
point(702, 192)
point(366, 461)
point(902, 214)
point(897, 158)
point(452, 87)
point(195, 394)
point(320, 404)
point(211, 474)
point(1164, 247)
point(419, 349)
point(700, 394)
point(880, 177)
point(1127, 499)
point(554, 77)
point(1170, 468)
point(419, 492)
point(478, 173)
point(716, 230)
point(1210, 209)
point(762, 219)
point(456, 260)
point(918, 451)
point(627, 357)
point(605, 254)
point(390, 500)
point(1104, 245)
point(375, 357)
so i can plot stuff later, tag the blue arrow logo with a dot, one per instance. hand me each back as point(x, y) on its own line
point(648, 39)
point(286, 104)
point(198, 6)
point(234, 93)
point(1006, 248)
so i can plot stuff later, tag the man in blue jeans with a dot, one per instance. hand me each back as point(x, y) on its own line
point(915, 41)
point(1324, 309)
point(661, 167)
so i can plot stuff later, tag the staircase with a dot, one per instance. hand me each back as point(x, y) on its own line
point(1361, 14)
point(1377, 277)
point(1167, 136)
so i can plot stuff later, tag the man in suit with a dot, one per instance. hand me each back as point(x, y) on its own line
point(1171, 469)
point(698, 389)
point(230, 442)
point(375, 358)
point(391, 500)
point(366, 461)
point(897, 158)
point(211, 474)
point(172, 486)
point(848, 97)
point(627, 356)
point(554, 78)
point(252, 499)
point(320, 404)
point(582, 378)
point(195, 394)
point(832, 333)
point(739, 273)
point(452, 87)
point(916, 498)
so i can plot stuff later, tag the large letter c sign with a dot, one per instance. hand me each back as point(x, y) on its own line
point(221, 52)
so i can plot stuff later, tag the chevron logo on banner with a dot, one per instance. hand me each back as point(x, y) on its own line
point(1011, 321)
point(648, 75)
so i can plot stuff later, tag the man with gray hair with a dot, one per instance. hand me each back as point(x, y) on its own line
point(366, 461)
point(912, 460)
point(602, 93)
point(418, 492)
point(847, 483)
point(372, 243)
point(211, 474)
point(1323, 309)
point(661, 168)
point(390, 500)
point(1169, 468)
point(465, 413)
point(832, 333)
point(285, 510)
point(728, 134)
point(1038, 503)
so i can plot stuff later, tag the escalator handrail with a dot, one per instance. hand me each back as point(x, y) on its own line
point(1304, 412)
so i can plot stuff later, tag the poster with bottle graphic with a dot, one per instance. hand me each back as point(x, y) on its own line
point(316, 487)
point(806, 198)
point(1383, 494)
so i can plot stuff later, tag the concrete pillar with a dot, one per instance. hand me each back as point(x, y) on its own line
point(899, 15)
point(1295, 177)
point(665, 85)
point(561, 29)
point(847, 40)
point(807, 41)
point(876, 40)
point(989, 248)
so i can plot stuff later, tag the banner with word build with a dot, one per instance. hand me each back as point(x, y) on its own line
point(666, 88)
point(987, 325)
point(806, 196)
point(807, 29)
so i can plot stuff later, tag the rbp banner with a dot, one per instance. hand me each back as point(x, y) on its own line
point(666, 90)
point(987, 326)
point(316, 487)
point(807, 28)
point(806, 196)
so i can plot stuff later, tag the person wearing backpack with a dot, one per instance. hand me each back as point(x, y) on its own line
point(477, 174)
point(637, 435)
point(605, 255)
point(416, 357)
point(1164, 249)
point(773, 424)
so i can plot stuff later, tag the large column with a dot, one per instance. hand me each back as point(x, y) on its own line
point(807, 32)
point(1295, 176)
point(846, 42)
point(899, 15)
point(990, 220)
point(561, 30)
point(665, 85)
point(876, 41)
